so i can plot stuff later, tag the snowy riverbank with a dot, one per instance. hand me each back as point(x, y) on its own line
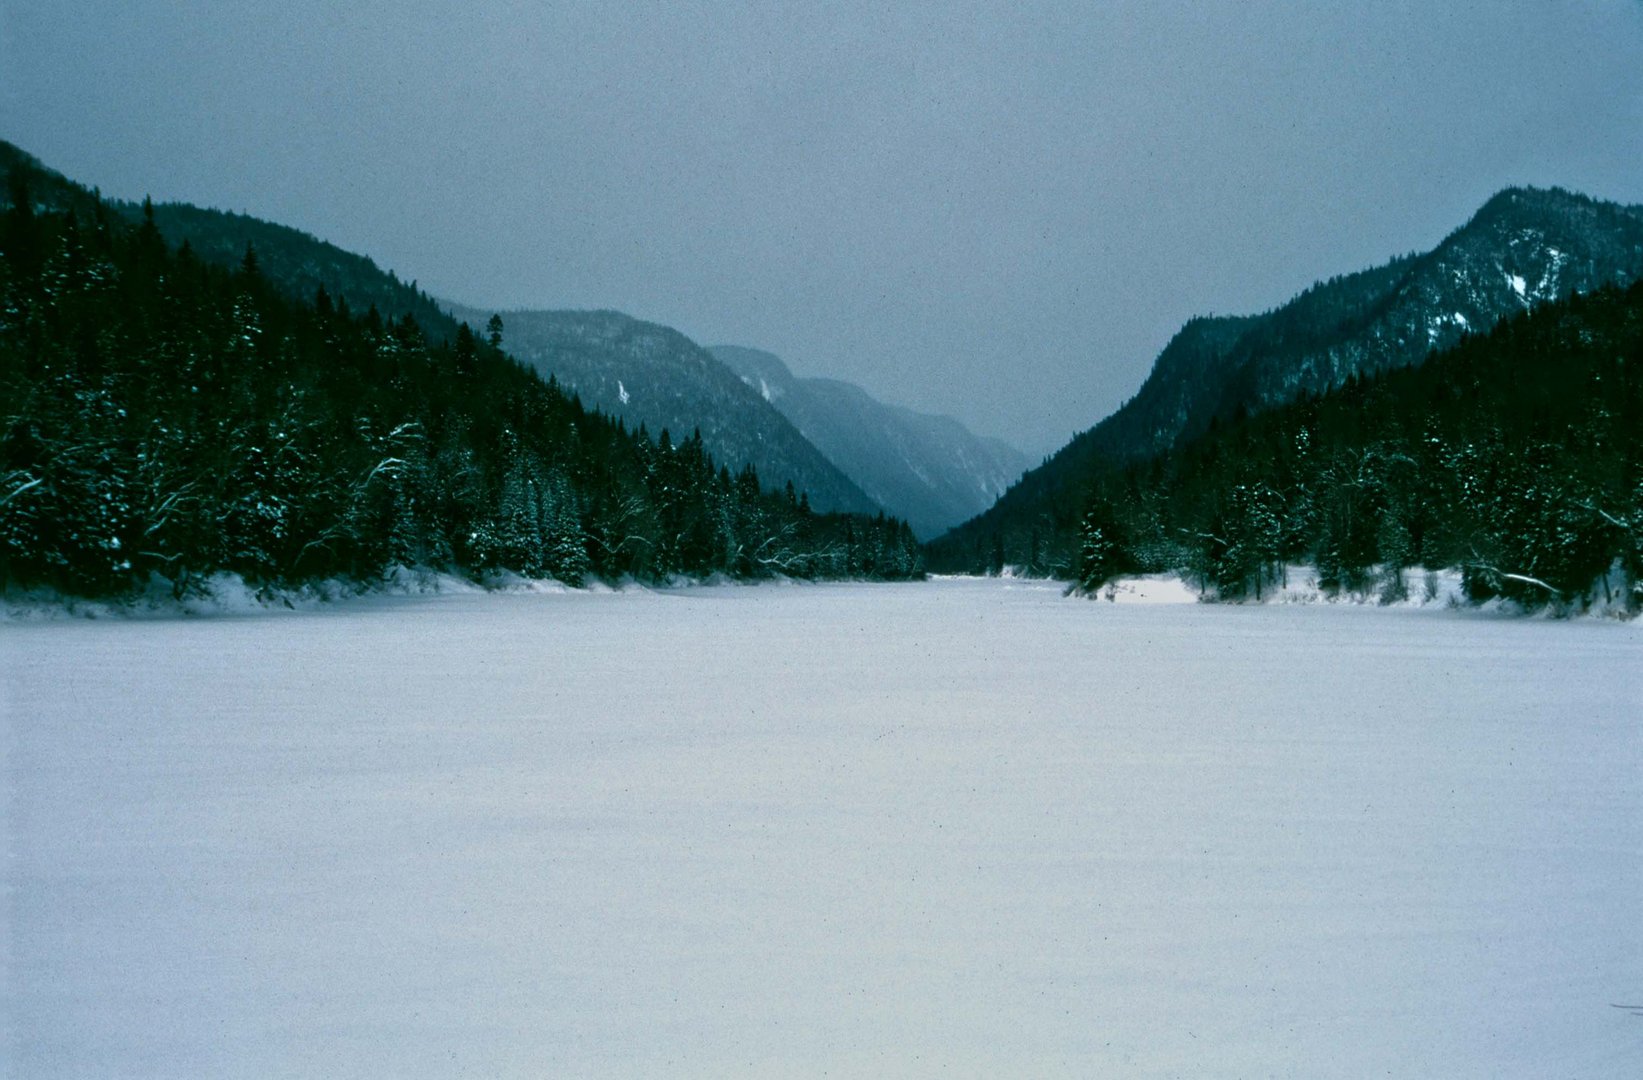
point(229, 594)
point(1414, 587)
point(1299, 585)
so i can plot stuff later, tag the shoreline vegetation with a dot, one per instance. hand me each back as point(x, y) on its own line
point(228, 594)
point(1382, 587)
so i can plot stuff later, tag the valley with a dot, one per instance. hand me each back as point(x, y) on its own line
point(792, 541)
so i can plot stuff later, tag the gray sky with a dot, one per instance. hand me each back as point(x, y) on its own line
point(997, 211)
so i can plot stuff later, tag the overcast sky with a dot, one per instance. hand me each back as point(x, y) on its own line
point(996, 211)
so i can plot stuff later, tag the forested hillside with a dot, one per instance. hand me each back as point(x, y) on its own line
point(297, 264)
point(167, 416)
point(290, 260)
point(1516, 457)
point(1523, 247)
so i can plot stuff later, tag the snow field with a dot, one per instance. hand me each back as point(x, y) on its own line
point(964, 828)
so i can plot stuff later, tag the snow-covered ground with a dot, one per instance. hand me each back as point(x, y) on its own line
point(965, 828)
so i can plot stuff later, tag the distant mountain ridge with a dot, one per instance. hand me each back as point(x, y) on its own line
point(929, 469)
point(1523, 247)
point(653, 375)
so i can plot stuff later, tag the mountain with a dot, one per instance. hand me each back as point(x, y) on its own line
point(1514, 458)
point(1523, 247)
point(929, 469)
point(671, 382)
point(172, 417)
point(655, 376)
point(638, 371)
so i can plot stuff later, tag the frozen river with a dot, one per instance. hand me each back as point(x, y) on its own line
point(961, 829)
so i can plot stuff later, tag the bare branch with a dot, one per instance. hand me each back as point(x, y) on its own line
point(1605, 515)
point(1523, 578)
point(170, 503)
point(391, 464)
point(36, 482)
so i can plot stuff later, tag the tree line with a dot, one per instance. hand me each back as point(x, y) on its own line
point(168, 416)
